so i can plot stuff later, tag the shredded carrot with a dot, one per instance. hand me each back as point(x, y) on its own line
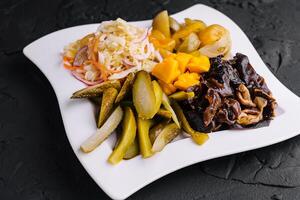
point(68, 59)
point(70, 67)
point(95, 47)
point(102, 69)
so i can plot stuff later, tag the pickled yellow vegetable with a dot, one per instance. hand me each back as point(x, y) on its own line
point(127, 138)
point(190, 43)
point(168, 133)
point(143, 96)
point(189, 21)
point(174, 25)
point(161, 23)
point(108, 98)
point(143, 126)
point(108, 127)
point(211, 34)
point(96, 90)
point(185, 31)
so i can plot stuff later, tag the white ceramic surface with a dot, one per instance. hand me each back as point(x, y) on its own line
point(122, 180)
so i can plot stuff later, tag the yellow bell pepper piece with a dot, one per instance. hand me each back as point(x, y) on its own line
point(187, 80)
point(183, 59)
point(167, 71)
point(194, 27)
point(199, 64)
point(167, 88)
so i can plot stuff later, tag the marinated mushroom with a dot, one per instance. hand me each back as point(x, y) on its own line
point(244, 96)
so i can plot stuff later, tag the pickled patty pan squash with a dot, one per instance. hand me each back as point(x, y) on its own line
point(199, 64)
point(187, 80)
point(197, 26)
point(161, 23)
point(211, 34)
point(160, 41)
point(167, 71)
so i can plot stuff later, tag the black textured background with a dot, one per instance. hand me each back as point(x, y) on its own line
point(36, 161)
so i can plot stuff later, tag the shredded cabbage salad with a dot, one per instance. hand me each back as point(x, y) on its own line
point(112, 52)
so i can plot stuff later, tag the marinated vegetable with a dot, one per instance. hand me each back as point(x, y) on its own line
point(132, 151)
point(167, 134)
point(143, 96)
point(125, 88)
point(127, 138)
point(158, 96)
point(198, 137)
point(174, 25)
point(96, 90)
point(161, 23)
point(108, 98)
point(155, 130)
point(181, 95)
point(164, 113)
point(166, 103)
point(143, 135)
point(190, 43)
point(108, 127)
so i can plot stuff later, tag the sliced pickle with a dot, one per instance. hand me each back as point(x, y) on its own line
point(198, 137)
point(127, 137)
point(125, 88)
point(164, 113)
point(143, 95)
point(101, 134)
point(158, 96)
point(166, 103)
point(133, 150)
point(108, 98)
point(155, 130)
point(168, 133)
point(143, 126)
point(96, 90)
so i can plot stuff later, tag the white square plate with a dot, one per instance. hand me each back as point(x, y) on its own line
point(122, 180)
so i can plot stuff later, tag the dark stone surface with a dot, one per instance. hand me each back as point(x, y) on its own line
point(36, 161)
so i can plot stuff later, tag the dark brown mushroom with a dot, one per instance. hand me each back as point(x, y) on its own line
point(229, 112)
point(214, 102)
point(244, 96)
point(253, 115)
point(247, 73)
